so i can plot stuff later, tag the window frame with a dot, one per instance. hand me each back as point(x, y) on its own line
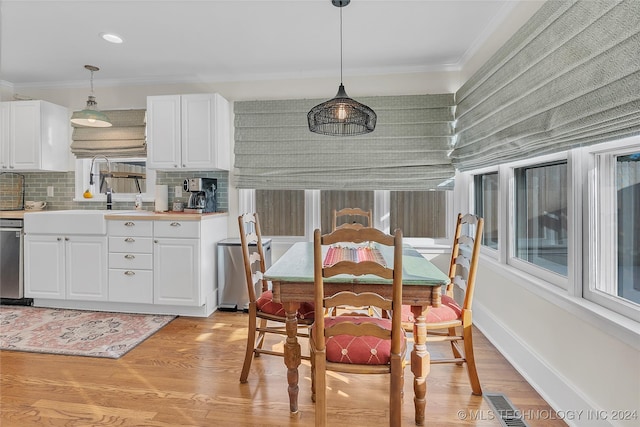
point(532, 269)
point(502, 231)
point(600, 176)
point(82, 172)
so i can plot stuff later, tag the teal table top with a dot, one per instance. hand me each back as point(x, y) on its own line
point(296, 265)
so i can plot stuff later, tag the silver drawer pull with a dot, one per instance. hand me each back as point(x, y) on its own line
point(129, 273)
point(175, 224)
point(129, 256)
point(129, 224)
point(129, 240)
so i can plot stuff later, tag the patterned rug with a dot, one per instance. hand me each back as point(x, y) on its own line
point(75, 332)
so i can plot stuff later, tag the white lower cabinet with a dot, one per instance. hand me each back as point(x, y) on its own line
point(169, 264)
point(145, 265)
point(66, 267)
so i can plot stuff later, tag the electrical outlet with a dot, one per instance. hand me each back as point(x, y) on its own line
point(50, 191)
point(178, 191)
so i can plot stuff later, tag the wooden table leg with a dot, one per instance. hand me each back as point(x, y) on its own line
point(420, 362)
point(292, 353)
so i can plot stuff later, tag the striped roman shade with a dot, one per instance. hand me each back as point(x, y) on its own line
point(569, 77)
point(274, 148)
point(126, 138)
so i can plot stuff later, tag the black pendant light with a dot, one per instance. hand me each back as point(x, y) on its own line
point(341, 116)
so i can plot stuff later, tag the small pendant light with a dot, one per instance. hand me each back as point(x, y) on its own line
point(91, 116)
point(341, 116)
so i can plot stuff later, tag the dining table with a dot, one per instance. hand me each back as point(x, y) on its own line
point(293, 282)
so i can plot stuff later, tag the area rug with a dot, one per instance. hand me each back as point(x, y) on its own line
point(75, 332)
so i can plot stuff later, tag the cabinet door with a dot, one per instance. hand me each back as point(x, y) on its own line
point(4, 135)
point(163, 132)
point(86, 268)
point(44, 269)
point(198, 131)
point(24, 135)
point(176, 272)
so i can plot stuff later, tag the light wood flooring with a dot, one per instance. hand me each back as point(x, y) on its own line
point(187, 375)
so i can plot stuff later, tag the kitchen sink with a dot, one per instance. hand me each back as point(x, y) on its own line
point(75, 221)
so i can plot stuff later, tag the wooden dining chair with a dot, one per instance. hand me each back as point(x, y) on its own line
point(453, 322)
point(352, 213)
point(265, 315)
point(358, 344)
point(358, 218)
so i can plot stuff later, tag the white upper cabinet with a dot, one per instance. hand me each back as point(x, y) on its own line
point(188, 132)
point(34, 136)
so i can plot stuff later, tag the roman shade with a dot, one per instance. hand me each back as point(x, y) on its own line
point(569, 77)
point(126, 138)
point(408, 150)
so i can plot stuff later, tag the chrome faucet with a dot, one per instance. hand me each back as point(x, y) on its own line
point(109, 190)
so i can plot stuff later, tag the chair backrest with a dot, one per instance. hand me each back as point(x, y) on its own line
point(356, 212)
point(365, 239)
point(465, 253)
point(254, 264)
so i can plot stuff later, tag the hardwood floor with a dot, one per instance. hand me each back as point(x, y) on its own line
point(187, 375)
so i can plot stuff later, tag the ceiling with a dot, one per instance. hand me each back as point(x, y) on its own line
point(47, 43)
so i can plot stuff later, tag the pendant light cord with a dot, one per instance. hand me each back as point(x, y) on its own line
point(91, 82)
point(341, 45)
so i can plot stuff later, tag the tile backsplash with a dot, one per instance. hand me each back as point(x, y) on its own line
point(63, 184)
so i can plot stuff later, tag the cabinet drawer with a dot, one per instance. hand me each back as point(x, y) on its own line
point(177, 229)
point(131, 286)
point(128, 260)
point(130, 228)
point(131, 244)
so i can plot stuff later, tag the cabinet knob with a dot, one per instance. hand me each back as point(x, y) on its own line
point(66, 239)
point(129, 273)
point(175, 166)
point(175, 224)
point(129, 256)
point(11, 167)
point(59, 239)
point(155, 241)
point(129, 224)
point(129, 240)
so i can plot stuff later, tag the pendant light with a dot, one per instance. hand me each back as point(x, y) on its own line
point(341, 116)
point(91, 116)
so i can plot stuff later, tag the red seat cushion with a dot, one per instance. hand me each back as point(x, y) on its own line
point(449, 310)
point(365, 350)
point(266, 304)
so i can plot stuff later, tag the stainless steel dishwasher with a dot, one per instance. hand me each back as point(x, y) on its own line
point(11, 262)
point(232, 283)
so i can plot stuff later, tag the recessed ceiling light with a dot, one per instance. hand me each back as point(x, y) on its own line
point(111, 38)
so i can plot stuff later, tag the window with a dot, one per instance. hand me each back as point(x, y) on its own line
point(282, 212)
point(296, 213)
point(541, 216)
point(128, 177)
point(486, 190)
point(419, 213)
point(614, 276)
point(628, 226)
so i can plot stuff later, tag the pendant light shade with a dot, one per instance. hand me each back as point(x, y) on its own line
point(341, 116)
point(91, 116)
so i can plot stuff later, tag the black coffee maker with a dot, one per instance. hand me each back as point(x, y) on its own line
point(203, 194)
